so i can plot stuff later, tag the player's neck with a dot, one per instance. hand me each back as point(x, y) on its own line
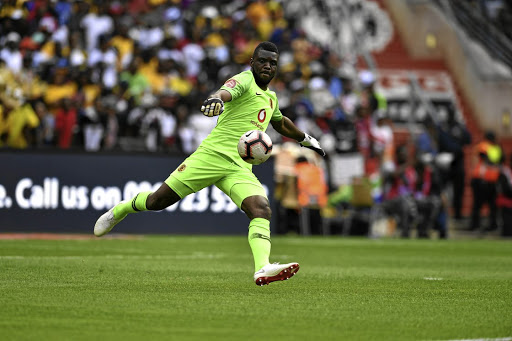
point(263, 86)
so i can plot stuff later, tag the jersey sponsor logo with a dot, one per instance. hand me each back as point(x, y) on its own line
point(182, 167)
point(262, 115)
point(258, 94)
point(257, 125)
point(230, 83)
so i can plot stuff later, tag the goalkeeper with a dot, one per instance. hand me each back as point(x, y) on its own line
point(245, 103)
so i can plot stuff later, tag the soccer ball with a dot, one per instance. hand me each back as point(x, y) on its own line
point(255, 147)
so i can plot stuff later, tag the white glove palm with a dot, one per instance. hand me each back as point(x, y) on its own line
point(312, 143)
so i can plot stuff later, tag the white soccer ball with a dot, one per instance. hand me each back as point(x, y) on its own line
point(255, 147)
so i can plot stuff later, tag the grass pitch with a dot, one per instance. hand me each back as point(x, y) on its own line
point(201, 288)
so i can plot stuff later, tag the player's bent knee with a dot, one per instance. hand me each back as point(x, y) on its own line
point(257, 207)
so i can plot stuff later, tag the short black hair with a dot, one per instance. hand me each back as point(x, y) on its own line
point(267, 46)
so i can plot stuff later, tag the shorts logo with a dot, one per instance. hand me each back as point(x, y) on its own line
point(182, 167)
point(230, 83)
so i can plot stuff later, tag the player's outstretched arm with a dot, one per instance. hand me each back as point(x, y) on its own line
point(214, 105)
point(287, 128)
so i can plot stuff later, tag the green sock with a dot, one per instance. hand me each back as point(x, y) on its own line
point(259, 240)
point(138, 203)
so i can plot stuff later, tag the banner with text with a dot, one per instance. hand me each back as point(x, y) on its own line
point(47, 192)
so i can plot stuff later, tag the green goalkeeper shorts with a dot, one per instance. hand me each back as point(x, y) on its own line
point(204, 168)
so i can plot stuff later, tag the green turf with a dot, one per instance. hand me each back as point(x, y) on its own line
point(200, 288)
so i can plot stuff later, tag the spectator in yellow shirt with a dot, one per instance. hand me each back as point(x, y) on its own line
point(60, 88)
point(124, 45)
point(20, 124)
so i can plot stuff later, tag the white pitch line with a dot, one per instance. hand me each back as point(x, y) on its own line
point(191, 256)
point(484, 339)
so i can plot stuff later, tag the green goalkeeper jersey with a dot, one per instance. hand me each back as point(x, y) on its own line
point(250, 108)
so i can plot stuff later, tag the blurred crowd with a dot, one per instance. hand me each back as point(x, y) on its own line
point(414, 187)
point(111, 75)
point(417, 183)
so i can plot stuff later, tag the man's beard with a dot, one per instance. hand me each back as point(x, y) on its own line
point(258, 79)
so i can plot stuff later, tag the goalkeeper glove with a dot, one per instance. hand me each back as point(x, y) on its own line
point(212, 107)
point(312, 143)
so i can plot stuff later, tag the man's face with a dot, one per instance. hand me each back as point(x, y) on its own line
point(264, 66)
